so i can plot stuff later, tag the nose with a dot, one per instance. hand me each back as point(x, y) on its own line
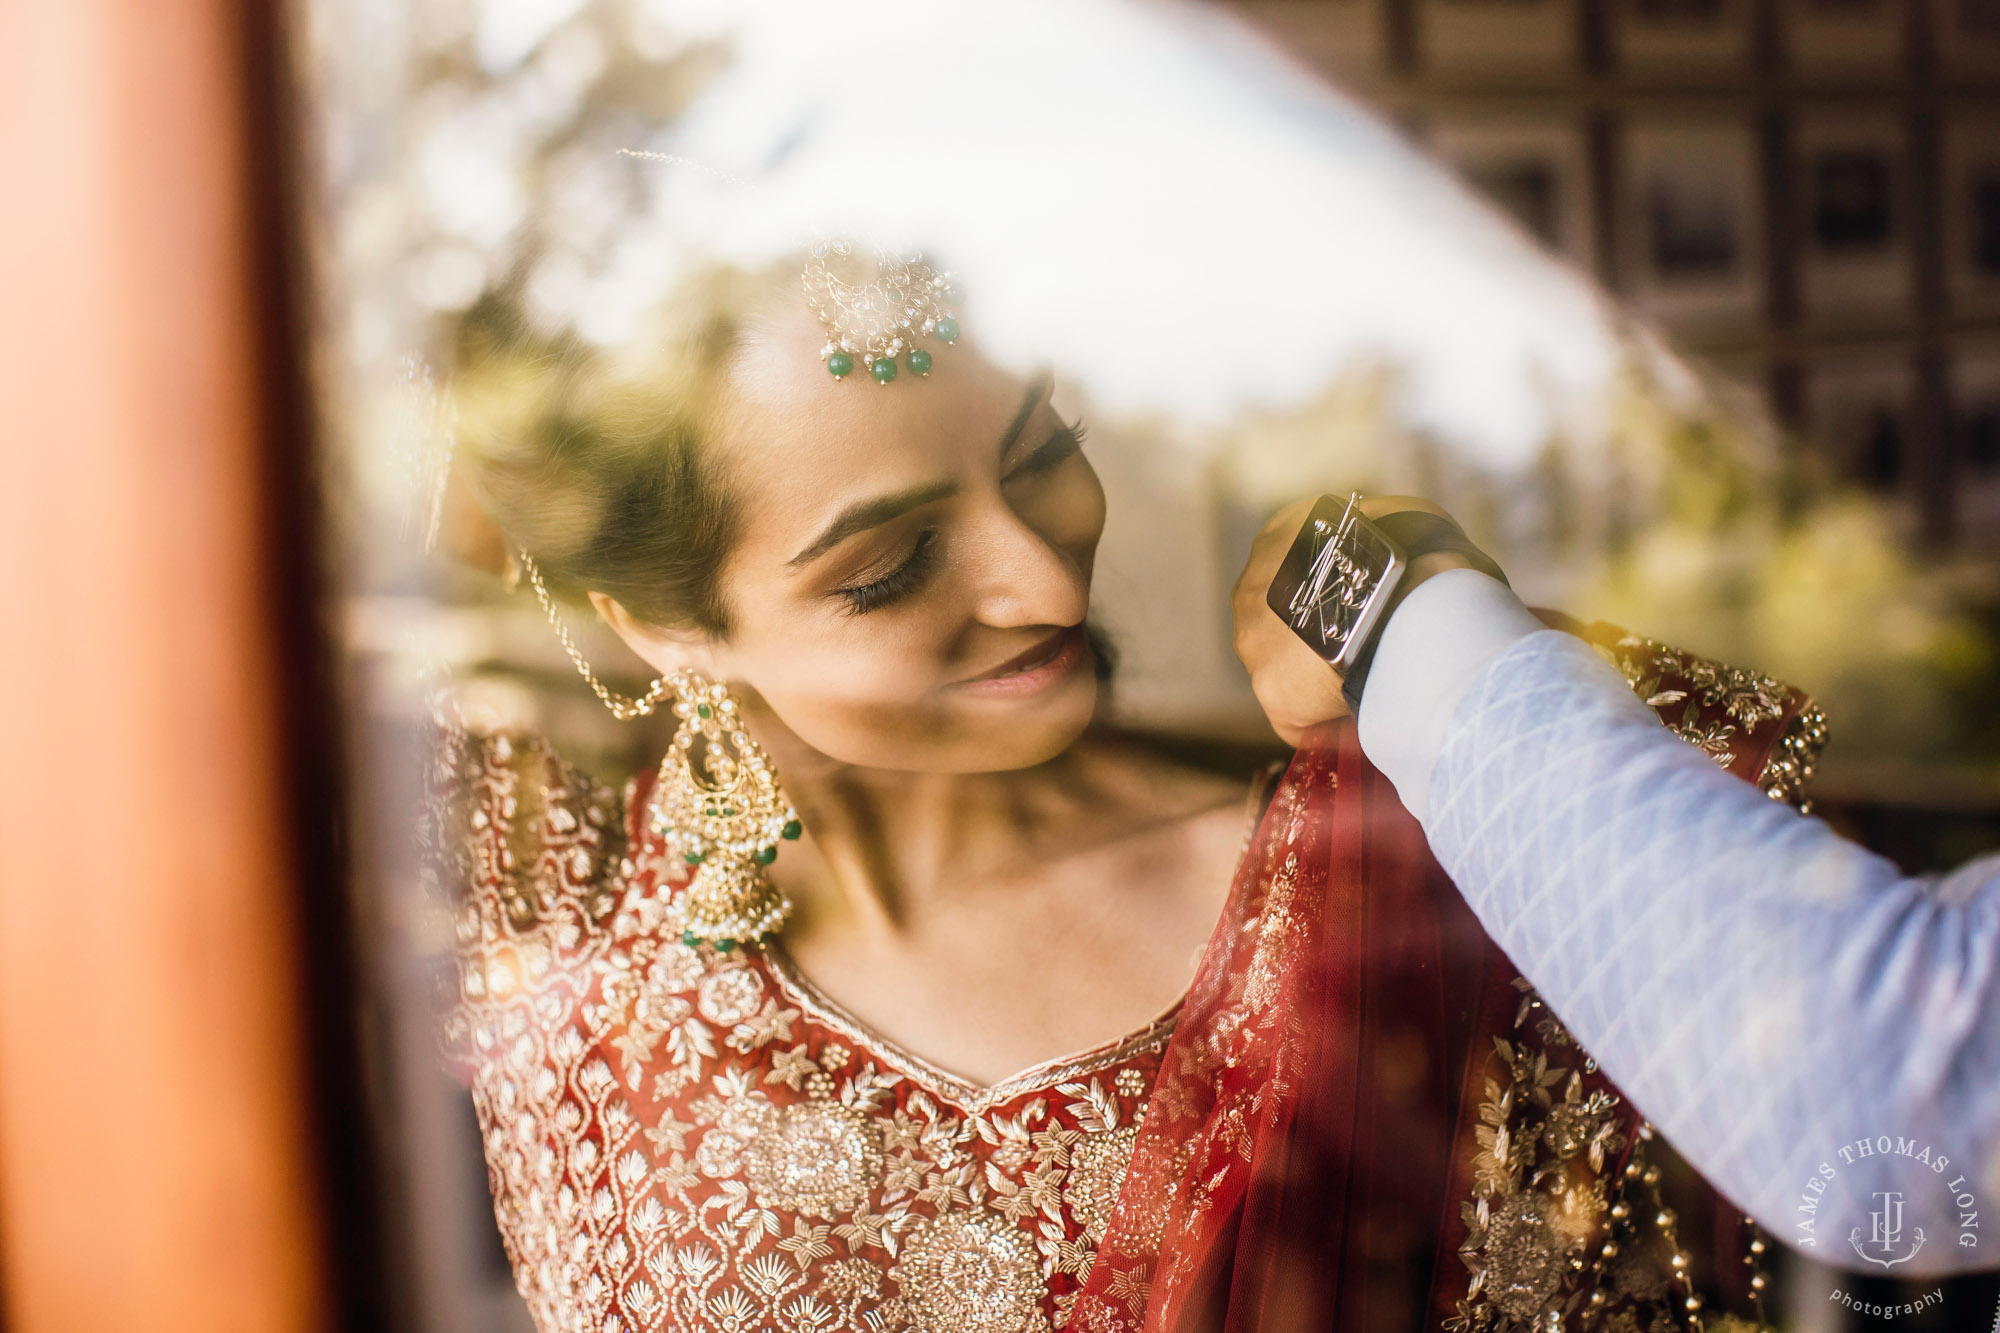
point(1023, 578)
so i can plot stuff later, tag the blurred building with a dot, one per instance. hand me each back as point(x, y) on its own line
point(1805, 192)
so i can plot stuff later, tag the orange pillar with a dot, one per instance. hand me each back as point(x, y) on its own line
point(155, 1168)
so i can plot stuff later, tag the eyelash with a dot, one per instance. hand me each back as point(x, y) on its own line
point(1057, 449)
point(897, 583)
point(908, 576)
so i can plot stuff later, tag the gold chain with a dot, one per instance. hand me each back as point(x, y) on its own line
point(622, 708)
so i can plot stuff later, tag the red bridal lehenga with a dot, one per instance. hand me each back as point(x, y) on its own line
point(1358, 1118)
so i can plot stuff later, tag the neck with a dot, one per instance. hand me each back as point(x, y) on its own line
point(884, 849)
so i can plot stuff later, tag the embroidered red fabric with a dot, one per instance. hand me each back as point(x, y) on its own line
point(1357, 1119)
point(679, 1138)
point(1366, 1120)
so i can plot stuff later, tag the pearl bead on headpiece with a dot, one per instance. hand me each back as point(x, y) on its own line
point(874, 323)
point(869, 323)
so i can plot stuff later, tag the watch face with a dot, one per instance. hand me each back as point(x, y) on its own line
point(1336, 579)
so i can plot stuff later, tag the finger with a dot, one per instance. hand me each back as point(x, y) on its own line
point(1294, 706)
point(1267, 552)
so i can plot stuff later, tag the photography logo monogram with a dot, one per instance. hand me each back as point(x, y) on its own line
point(1873, 1206)
point(1884, 1241)
point(1885, 1233)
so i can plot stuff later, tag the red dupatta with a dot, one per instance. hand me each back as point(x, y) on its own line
point(1365, 1120)
point(1318, 1005)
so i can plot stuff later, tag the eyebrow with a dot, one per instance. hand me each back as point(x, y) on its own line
point(866, 514)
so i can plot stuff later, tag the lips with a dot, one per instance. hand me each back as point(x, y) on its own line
point(1039, 666)
point(1028, 660)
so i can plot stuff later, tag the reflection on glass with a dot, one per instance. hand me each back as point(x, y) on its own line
point(1061, 955)
point(1529, 192)
point(1980, 18)
point(1851, 199)
point(1694, 228)
point(1985, 209)
point(1685, 12)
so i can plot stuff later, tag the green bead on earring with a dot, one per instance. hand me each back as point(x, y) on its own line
point(947, 330)
point(920, 361)
point(883, 369)
point(839, 365)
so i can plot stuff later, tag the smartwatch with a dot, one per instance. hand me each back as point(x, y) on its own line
point(1345, 573)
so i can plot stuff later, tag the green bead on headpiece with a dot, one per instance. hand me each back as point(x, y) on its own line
point(876, 320)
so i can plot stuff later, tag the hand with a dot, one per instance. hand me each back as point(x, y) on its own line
point(1297, 690)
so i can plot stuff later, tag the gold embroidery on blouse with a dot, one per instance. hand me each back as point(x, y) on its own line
point(1747, 700)
point(828, 1013)
point(1548, 1234)
point(1681, 686)
point(1539, 1187)
point(1098, 1174)
point(971, 1272)
point(666, 1152)
point(817, 1158)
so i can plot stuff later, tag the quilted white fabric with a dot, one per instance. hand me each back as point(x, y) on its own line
point(1768, 994)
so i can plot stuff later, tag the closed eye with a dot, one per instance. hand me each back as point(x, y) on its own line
point(1063, 444)
point(899, 582)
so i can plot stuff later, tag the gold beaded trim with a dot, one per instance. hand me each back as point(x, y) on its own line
point(1795, 758)
point(622, 708)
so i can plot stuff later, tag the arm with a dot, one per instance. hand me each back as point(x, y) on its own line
point(1768, 993)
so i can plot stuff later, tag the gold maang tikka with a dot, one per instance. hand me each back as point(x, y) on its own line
point(718, 802)
point(876, 314)
point(871, 324)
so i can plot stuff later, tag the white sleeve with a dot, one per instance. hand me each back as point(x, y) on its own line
point(1435, 645)
point(1771, 996)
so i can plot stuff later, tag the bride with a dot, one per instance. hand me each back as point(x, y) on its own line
point(901, 995)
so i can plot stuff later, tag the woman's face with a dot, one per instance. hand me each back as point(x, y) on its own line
point(913, 563)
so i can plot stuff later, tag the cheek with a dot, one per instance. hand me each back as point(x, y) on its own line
point(931, 738)
point(1071, 516)
point(878, 700)
point(841, 685)
point(869, 691)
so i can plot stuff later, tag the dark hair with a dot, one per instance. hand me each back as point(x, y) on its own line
point(595, 460)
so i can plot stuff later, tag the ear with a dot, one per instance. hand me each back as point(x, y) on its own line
point(662, 649)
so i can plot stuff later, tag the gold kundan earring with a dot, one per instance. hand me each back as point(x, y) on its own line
point(717, 802)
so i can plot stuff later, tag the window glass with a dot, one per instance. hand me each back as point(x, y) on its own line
point(824, 861)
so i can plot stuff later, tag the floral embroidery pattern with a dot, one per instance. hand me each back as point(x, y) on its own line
point(1213, 1098)
point(1709, 704)
point(1540, 1193)
point(1551, 1235)
point(682, 1139)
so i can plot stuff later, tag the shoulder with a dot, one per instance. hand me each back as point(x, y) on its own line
point(521, 846)
point(1751, 724)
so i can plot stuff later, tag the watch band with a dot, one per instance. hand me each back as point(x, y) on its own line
point(1418, 533)
point(1421, 533)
